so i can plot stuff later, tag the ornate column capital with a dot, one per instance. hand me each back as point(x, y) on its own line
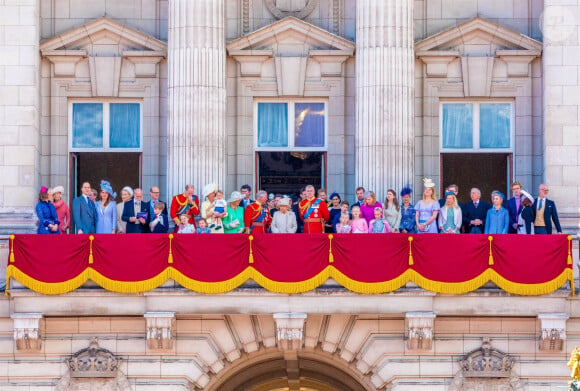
point(160, 330)
point(419, 330)
point(27, 331)
point(553, 331)
point(290, 330)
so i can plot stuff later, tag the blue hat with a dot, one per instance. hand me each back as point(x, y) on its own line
point(448, 193)
point(335, 194)
point(106, 186)
point(406, 190)
point(499, 193)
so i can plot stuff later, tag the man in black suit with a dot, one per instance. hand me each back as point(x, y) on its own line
point(544, 213)
point(84, 211)
point(360, 197)
point(246, 191)
point(514, 207)
point(474, 213)
point(154, 193)
point(136, 213)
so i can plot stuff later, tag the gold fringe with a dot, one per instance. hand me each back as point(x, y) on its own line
point(208, 287)
point(455, 288)
point(170, 257)
point(369, 288)
point(251, 258)
point(127, 286)
point(330, 255)
point(490, 261)
point(290, 287)
point(569, 249)
point(411, 262)
point(531, 289)
point(572, 288)
point(91, 259)
point(11, 249)
point(47, 288)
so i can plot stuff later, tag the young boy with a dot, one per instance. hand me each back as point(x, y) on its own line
point(202, 227)
point(219, 206)
point(160, 223)
point(185, 227)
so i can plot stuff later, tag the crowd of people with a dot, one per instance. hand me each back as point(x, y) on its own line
point(310, 212)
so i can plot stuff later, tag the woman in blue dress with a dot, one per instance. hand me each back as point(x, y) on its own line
point(106, 209)
point(427, 210)
point(497, 220)
point(407, 225)
point(48, 223)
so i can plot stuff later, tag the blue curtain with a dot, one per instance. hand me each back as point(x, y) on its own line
point(124, 125)
point(494, 125)
point(457, 125)
point(272, 125)
point(87, 123)
point(309, 124)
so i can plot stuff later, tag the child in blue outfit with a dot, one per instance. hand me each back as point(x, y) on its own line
point(202, 227)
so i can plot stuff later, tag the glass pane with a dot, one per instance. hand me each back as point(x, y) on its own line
point(272, 125)
point(124, 125)
point(309, 124)
point(494, 125)
point(87, 123)
point(458, 126)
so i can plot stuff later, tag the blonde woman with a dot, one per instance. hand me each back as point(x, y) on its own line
point(450, 217)
point(427, 210)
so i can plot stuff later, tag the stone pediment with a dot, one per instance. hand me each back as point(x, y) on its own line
point(103, 37)
point(290, 37)
point(478, 37)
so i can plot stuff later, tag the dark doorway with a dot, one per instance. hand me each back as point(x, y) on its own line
point(121, 169)
point(486, 171)
point(287, 172)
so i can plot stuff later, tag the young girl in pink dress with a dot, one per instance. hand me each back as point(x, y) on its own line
point(343, 227)
point(358, 224)
point(379, 225)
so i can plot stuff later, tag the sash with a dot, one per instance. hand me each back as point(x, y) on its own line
point(184, 208)
point(313, 206)
point(262, 215)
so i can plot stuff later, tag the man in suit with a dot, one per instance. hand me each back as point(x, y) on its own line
point(544, 213)
point(455, 189)
point(360, 197)
point(154, 193)
point(514, 207)
point(246, 191)
point(84, 211)
point(131, 209)
point(475, 213)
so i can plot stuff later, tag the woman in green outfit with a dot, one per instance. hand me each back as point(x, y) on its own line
point(234, 221)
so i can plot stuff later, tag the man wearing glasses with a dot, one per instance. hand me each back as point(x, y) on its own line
point(545, 212)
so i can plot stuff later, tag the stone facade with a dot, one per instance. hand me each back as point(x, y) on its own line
point(394, 63)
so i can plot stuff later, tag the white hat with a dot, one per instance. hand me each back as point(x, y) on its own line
point(236, 196)
point(285, 202)
point(209, 188)
point(58, 189)
point(427, 182)
point(528, 195)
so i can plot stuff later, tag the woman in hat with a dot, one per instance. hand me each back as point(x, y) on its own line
point(126, 195)
point(407, 225)
point(526, 215)
point(234, 220)
point(498, 218)
point(284, 221)
point(48, 223)
point(427, 210)
point(207, 207)
point(62, 209)
point(106, 209)
point(450, 218)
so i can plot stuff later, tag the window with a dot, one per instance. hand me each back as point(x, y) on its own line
point(111, 126)
point(477, 126)
point(294, 125)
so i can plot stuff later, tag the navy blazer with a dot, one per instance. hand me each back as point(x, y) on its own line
point(550, 214)
point(129, 211)
point(84, 215)
point(151, 212)
point(161, 228)
point(470, 212)
point(514, 212)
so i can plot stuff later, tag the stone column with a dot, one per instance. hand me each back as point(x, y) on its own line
point(384, 136)
point(197, 94)
point(561, 136)
point(19, 116)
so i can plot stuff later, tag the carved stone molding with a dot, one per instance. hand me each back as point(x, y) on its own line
point(27, 331)
point(420, 330)
point(93, 362)
point(290, 330)
point(160, 330)
point(553, 331)
point(283, 8)
point(486, 362)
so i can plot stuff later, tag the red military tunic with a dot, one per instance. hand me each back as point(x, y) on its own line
point(253, 213)
point(314, 214)
point(180, 204)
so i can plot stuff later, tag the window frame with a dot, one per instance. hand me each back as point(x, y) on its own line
point(106, 125)
point(291, 118)
point(476, 126)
